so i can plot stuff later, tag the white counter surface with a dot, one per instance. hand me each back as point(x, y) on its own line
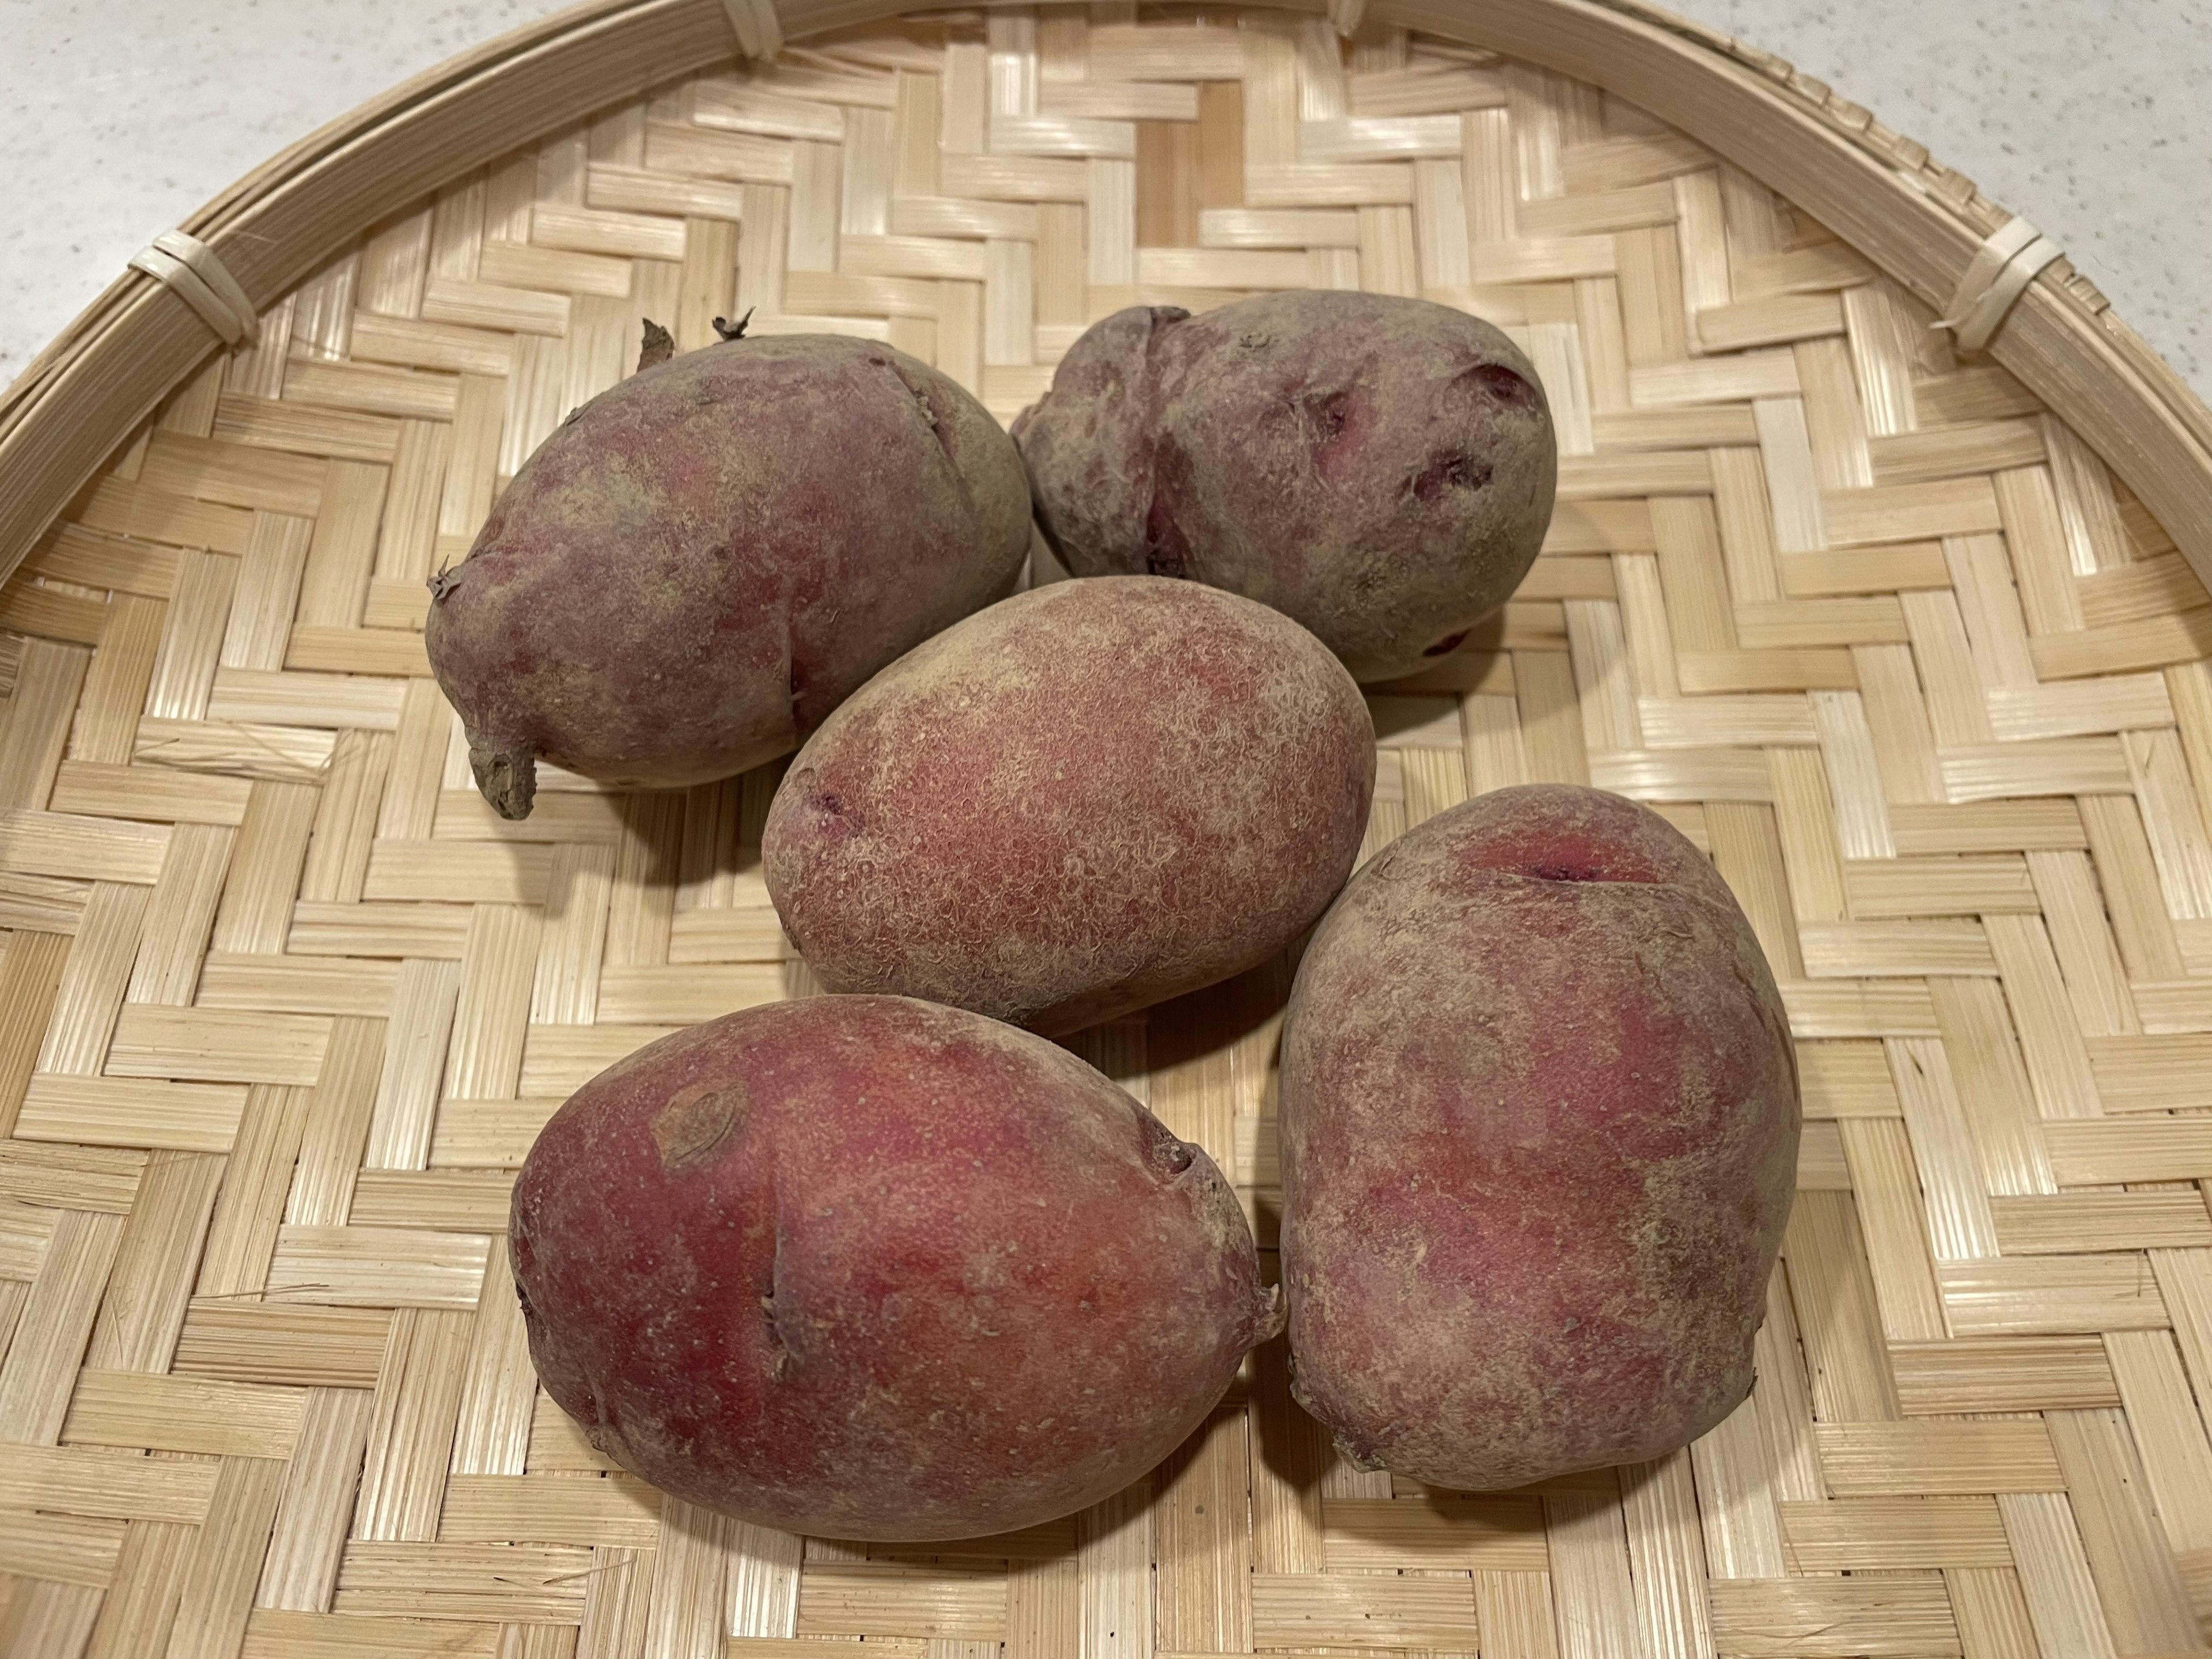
point(118, 118)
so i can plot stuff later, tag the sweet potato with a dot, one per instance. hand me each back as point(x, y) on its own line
point(1380, 469)
point(1540, 1123)
point(1083, 799)
point(866, 1268)
point(702, 562)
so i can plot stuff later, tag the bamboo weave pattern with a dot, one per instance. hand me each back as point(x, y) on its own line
point(281, 1003)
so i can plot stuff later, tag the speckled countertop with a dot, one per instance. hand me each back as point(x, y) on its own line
point(117, 118)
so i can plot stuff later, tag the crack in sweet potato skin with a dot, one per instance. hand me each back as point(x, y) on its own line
point(1085, 800)
point(1381, 469)
point(867, 1267)
point(1540, 1123)
point(700, 564)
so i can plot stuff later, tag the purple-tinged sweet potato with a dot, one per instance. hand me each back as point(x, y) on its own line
point(1540, 1121)
point(1381, 468)
point(702, 562)
point(1083, 799)
point(866, 1268)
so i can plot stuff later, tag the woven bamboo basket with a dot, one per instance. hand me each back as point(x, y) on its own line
point(1908, 641)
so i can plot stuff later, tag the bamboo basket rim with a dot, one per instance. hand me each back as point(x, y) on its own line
point(2063, 340)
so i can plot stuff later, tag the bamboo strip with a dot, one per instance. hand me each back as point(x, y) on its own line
point(48, 680)
point(63, 1550)
point(1205, 1599)
point(308, 1533)
point(2061, 1601)
point(1114, 1562)
point(1829, 1280)
point(335, 1128)
point(39, 1370)
point(410, 1431)
point(378, 1266)
point(151, 1281)
point(302, 1344)
point(492, 1436)
point(226, 1560)
point(1330, 1610)
point(114, 690)
point(93, 980)
point(139, 1609)
point(171, 1413)
point(2076, 1223)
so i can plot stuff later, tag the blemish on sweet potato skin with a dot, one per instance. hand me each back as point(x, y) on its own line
point(1086, 799)
point(688, 575)
point(1539, 1122)
point(1381, 469)
point(939, 1278)
point(692, 1127)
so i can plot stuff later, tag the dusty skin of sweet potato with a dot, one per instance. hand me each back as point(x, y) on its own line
point(866, 1268)
point(703, 562)
point(1540, 1121)
point(1088, 798)
point(1381, 469)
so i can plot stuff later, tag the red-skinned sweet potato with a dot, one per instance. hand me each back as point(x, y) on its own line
point(1086, 799)
point(702, 562)
point(1540, 1124)
point(867, 1267)
point(1381, 468)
